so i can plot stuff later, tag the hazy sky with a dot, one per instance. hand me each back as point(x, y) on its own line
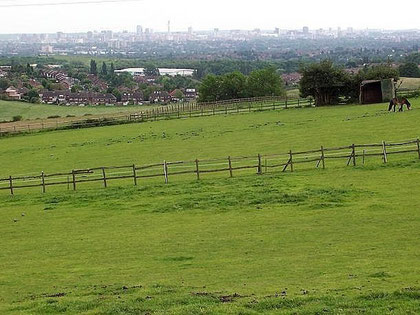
point(207, 14)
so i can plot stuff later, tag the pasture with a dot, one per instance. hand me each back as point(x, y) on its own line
point(339, 240)
point(9, 109)
point(410, 83)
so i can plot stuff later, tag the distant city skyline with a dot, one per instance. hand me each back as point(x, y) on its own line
point(267, 15)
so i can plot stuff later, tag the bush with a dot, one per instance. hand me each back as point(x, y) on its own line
point(17, 118)
point(54, 116)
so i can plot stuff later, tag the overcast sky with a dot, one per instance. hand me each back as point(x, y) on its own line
point(207, 14)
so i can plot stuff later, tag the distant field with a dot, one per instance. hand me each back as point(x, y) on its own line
point(410, 83)
point(293, 93)
point(340, 240)
point(41, 111)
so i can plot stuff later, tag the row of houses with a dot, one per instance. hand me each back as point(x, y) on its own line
point(65, 97)
point(82, 98)
point(59, 76)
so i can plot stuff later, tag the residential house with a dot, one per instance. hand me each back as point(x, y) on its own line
point(190, 95)
point(135, 98)
point(13, 93)
point(160, 97)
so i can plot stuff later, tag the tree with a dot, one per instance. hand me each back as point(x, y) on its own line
point(76, 88)
point(4, 84)
point(210, 88)
point(29, 69)
point(178, 94)
point(324, 82)
point(265, 82)
point(409, 69)
point(32, 96)
point(151, 71)
point(93, 67)
point(112, 69)
point(233, 86)
point(380, 72)
point(104, 70)
point(117, 94)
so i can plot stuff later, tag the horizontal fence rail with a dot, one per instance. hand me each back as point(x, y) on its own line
point(173, 111)
point(199, 167)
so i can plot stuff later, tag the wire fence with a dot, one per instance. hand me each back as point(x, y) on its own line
point(229, 166)
point(173, 111)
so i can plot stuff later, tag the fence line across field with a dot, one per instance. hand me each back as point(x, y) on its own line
point(229, 165)
point(175, 111)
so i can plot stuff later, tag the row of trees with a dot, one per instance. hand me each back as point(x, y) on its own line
point(265, 82)
point(329, 84)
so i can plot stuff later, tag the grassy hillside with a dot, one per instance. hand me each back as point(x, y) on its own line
point(340, 240)
point(35, 111)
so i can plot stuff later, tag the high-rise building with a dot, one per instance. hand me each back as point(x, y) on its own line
point(305, 30)
point(60, 35)
point(216, 32)
point(139, 30)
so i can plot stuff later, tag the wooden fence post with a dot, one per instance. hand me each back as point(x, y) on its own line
point(43, 181)
point(418, 146)
point(259, 170)
point(285, 103)
point(197, 170)
point(165, 171)
point(354, 154)
point(323, 157)
point(74, 179)
point(134, 175)
point(104, 177)
point(364, 156)
point(291, 161)
point(11, 185)
point(230, 166)
point(384, 152)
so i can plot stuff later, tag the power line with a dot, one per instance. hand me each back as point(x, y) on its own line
point(44, 4)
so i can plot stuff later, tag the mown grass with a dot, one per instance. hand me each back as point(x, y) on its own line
point(340, 240)
point(9, 109)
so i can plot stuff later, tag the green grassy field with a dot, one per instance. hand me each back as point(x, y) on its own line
point(340, 240)
point(410, 83)
point(8, 109)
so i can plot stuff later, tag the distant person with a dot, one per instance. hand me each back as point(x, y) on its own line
point(393, 104)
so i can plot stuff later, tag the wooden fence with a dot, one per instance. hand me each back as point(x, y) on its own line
point(172, 111)
point(199, 168)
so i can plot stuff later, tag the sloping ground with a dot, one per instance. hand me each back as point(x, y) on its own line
point(340, 240)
